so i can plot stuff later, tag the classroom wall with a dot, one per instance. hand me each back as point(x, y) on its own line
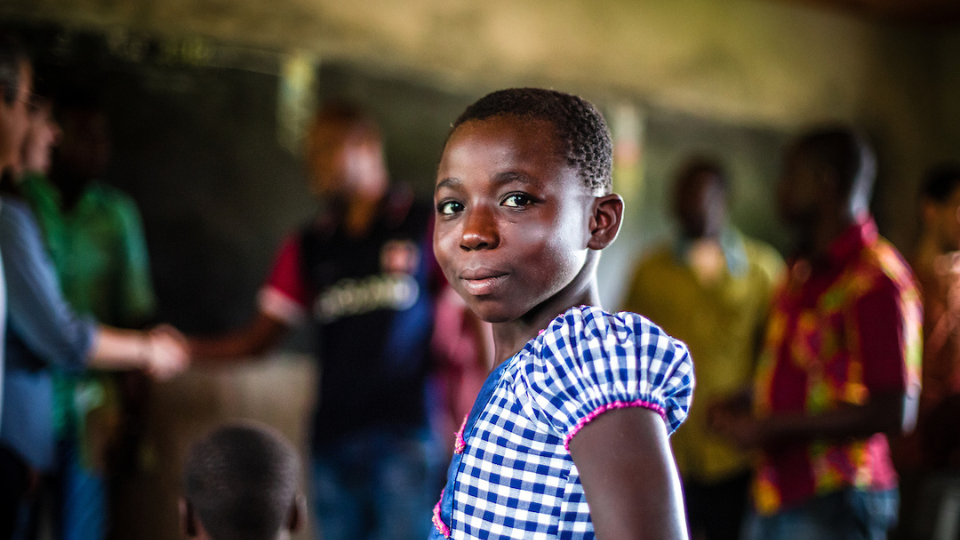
point(750, 62)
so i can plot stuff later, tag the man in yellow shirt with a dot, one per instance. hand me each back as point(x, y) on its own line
point(710, 288)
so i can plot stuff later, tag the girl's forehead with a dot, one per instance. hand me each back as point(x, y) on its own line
point(509, 126)
point(509, 138)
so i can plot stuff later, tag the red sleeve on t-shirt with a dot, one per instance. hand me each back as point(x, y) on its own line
point(286, 276)
point(880, 322)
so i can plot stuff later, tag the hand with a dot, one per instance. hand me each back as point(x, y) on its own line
point(167, 352)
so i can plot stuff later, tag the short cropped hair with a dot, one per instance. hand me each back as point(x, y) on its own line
point(846, 153)
point(12, 57)
point(580, 127)
point(242, 479)
point(698, 165)
point(941, 181)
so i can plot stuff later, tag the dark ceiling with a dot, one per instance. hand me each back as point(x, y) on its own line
point(922, 12)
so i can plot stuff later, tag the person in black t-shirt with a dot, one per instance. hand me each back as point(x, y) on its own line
point(361, 273)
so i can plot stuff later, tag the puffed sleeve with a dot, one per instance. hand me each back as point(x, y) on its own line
point(588, 362)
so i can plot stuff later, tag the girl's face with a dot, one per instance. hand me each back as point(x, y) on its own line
point(512, 217)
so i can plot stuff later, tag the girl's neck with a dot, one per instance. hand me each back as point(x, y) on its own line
point(511, 336)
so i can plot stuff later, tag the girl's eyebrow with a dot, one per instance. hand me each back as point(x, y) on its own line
point(500, 179)
point(510, 177)
point(451, 182)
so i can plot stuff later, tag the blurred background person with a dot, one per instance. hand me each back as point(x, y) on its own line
point(933, 448)
point(360, 272)
point(241, 481)
point(95, 239)
point(840, 369)
point(710, 288)
point(936, 265)
point(42, 331)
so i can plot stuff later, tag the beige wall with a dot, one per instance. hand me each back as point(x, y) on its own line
point(746, 61)
point(741, 59)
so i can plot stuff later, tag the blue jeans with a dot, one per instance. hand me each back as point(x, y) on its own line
point(377, 485)
point(82, 496)
point(850, 514)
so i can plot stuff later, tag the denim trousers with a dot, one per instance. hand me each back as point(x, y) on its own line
point(850, 514)
point(377, 484)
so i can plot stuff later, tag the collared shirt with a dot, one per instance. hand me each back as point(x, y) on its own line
point(41, 331)
point(721, 321)
point(370, 300)
point(512, 475)
point(841, 330)
point(101, 260)
point(98, 249)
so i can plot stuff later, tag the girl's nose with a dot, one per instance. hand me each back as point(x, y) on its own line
point(479, 230)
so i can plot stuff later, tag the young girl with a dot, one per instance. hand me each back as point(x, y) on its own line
point(568, 437)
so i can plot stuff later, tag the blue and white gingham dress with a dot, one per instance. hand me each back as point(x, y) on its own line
point(512, 475)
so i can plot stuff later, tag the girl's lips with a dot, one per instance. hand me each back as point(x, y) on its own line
point(482, 285)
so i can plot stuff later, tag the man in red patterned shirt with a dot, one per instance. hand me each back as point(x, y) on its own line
point(841, 362)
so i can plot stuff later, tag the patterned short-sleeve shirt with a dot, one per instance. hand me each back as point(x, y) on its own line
point(512, 475)
point(842, 329)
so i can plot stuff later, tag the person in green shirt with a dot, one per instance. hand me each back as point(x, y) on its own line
point(95, 239)
point(710, 288)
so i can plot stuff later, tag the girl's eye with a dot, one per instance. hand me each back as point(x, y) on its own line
point(448, 208)
point(517, 200)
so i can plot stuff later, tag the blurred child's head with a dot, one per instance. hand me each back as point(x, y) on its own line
point(700, 198)
point(240, 483)
point(524, 204)
point(345, 153)
point(940, 205)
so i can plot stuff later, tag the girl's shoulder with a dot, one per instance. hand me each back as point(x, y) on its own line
point(590, 325)
point(587, 359)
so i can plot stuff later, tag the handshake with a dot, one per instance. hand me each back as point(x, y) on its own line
point(164, 352)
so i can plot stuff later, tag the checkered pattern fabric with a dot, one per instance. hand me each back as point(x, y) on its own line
point(515, 477)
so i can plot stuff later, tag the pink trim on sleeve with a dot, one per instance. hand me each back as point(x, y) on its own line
point(459, 444)
point(438, 521)
point(608, 407)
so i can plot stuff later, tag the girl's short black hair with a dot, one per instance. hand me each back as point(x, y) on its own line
point(580, 127)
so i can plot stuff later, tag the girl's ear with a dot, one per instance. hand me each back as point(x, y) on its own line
point(605, 220)
point(298, 514)
point(188, 523)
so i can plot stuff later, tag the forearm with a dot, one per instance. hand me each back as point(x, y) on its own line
point(227, 347)
point(253, 340)
point(883, 414)
point(117, 349)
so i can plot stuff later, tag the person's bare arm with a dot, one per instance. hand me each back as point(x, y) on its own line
point(160, 352)
point(261, 334)
point(891, 413)
point(629, 476)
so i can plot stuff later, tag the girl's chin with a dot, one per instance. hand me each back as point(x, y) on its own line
point(490, 312)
